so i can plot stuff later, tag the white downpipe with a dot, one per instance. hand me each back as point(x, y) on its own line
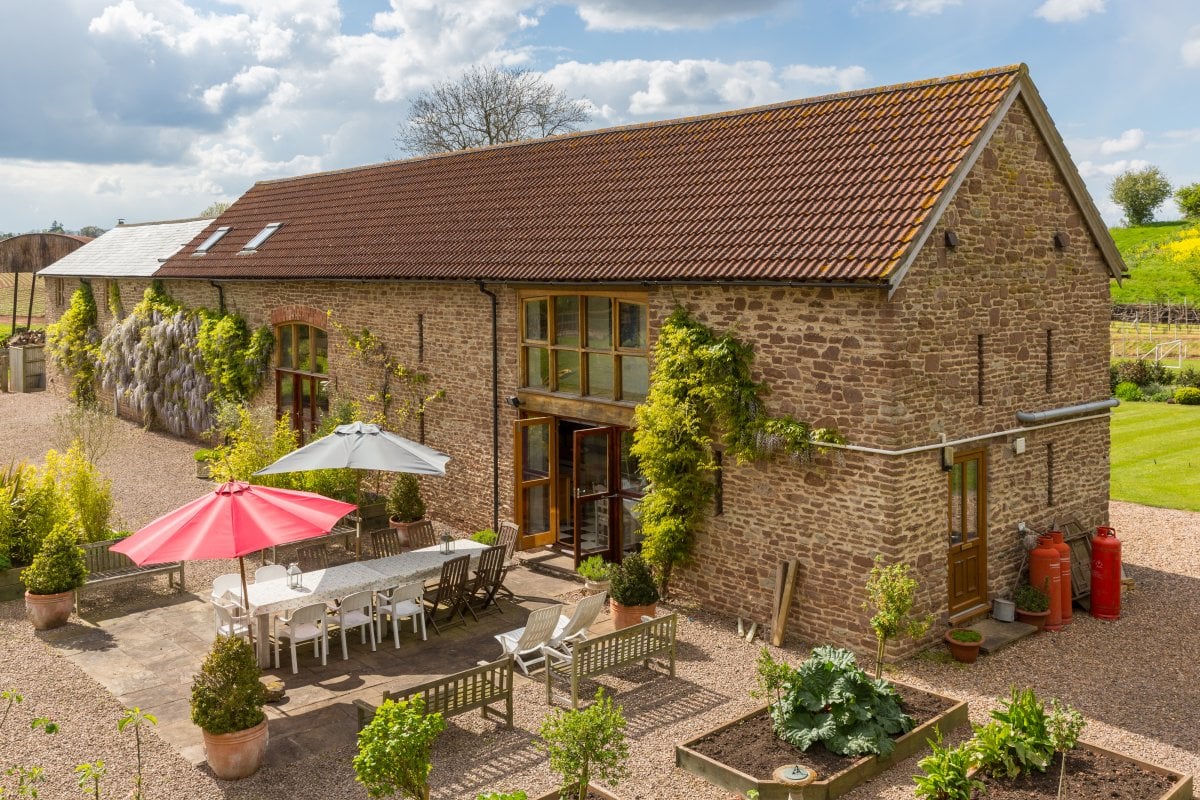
point(939, 445)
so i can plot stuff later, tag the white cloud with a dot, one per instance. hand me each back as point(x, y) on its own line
point(1131, 139)
point(1190, 50)
point(636, 89)
point(919, 8)
point(1069, 10)
point(621, 15)
point(1090, 169)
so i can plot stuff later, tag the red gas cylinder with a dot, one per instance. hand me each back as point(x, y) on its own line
point(1064, 565)
point(1106, 574)
point(1046, 576)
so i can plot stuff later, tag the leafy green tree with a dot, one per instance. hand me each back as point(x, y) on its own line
point(56, 227)
point(74, 344)
point(891, 591)
point(135, 718)
point(587, 743)
point(488, 105)
point(215, 210)
point(1139, 192)
point(92, 231)
point(393, 750)
point(1188, 198)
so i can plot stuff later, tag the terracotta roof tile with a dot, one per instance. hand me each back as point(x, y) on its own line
point(827, 189)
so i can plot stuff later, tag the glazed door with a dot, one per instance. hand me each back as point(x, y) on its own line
point(967, 511)
point(534, 448)
point(594, 490)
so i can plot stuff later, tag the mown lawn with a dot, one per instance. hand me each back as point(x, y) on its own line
point(1156, 455)
point(1153, 277)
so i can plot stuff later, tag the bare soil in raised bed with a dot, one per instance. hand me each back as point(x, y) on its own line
point(751, 746)
point(1090, 776)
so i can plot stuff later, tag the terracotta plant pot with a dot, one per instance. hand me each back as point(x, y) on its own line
point(233, 756)
point(966, 652)
point(1035, 618)
point(402, 529)
point(625, 616)
point(48, 611)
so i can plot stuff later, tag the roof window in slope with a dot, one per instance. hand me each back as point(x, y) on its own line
point(261, 237)
point(212, 239)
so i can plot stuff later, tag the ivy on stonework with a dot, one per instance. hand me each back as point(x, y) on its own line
point(702, 392)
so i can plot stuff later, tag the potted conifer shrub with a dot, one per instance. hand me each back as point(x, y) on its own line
point(633, 592)
point(50, 581)
point(404, 504)
point(227, 702)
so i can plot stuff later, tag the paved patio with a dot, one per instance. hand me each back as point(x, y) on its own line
point(146, 651)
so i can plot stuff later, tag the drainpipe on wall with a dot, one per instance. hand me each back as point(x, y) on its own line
point(495, 406)
point(220, 295)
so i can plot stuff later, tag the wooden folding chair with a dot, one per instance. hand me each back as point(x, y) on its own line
point(314, 556)
point(507, 538)
point(385, 542)
point(451, 593)
point(482, 596)
point(420, 534)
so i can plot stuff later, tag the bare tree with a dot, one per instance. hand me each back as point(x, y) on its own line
point(488, 105)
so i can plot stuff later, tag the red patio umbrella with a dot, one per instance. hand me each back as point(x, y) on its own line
point(234, 519)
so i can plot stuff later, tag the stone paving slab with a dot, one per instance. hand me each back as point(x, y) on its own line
point(145, 653)
point(998, 635)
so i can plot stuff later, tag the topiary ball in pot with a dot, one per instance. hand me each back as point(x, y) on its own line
point(227, 701)
point(633, 591)
point(57, 571)
point(404, 504)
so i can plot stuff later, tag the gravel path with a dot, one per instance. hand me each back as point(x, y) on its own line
point(1133, 679)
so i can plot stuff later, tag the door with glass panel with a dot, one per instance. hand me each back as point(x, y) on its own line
point(967, 512)
point(593, 492)
point(535, 446)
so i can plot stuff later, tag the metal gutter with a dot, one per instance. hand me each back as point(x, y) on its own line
point(1034, 417)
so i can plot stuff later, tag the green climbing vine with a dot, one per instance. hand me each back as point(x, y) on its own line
point(702, 392)
point(114, 300)
point(74, 344)
point(235, 358)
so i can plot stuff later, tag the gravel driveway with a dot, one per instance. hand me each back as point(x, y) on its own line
point(1134, 679)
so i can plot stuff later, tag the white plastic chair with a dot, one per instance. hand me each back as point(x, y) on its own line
point(303, 625)
point(232, 620)
point(529, 641)
point(270, 572)
point(401, 602)
point(575, 628)
point(356, 611)
point(230, 582)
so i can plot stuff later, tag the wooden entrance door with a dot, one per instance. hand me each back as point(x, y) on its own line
point(534, 454)
point(967, 512)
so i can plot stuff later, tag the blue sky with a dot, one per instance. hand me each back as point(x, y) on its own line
point(153, 109)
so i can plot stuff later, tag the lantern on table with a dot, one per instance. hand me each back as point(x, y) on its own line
point(293, 576)
point(447, 546)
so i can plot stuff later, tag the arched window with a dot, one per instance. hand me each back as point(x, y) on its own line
point(301, 374)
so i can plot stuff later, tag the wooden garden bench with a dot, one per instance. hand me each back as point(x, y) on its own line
point(105, 566)
point(478, 687)
point(637, 643)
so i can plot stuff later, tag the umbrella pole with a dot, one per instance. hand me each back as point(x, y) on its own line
point(358, 516)
point(246, 599)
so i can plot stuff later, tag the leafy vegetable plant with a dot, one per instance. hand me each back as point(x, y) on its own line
point(1017, 740)
point(946, 771)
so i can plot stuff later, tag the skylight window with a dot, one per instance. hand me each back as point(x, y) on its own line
point(213, 238)
point(261, 237)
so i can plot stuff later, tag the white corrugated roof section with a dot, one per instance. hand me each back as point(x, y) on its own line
point(127, 251)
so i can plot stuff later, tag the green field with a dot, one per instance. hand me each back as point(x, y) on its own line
point(6, 298)
point(1156, 455)
point(1152, 276)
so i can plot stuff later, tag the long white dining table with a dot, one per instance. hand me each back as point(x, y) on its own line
point(321, 585)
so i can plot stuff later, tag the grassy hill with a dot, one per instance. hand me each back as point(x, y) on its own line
point(1155, 277)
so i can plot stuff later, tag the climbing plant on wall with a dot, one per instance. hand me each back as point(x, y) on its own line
point(173, 365)
point(74, 344)
point(701, 392)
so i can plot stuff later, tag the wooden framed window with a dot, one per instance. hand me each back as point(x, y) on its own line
point(301, 374)
point(588, 344)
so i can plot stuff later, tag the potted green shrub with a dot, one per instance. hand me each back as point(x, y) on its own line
point(50, 581)
point(486, 537)
point(1033, 605)
point(964, 644)
point(633, 592)
point(596, 573)
point(404, 504)
point(227, 702)
point(203, 457)
point(394, 749)
point(585, 745)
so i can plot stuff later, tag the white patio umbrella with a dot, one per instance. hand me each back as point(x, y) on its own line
point(362, 446)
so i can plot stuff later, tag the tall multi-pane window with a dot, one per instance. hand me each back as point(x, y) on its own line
point(301, 374)
point(584, 344)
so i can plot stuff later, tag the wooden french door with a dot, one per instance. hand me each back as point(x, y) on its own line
point(593, 484)
point(535, 448)
point(967, 517)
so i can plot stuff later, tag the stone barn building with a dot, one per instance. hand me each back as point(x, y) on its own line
point(919, 266)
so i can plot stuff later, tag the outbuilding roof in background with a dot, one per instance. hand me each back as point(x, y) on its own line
point(840, 188)
point(127, 251)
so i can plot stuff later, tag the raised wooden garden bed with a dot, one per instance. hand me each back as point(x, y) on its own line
point(836, 775)
point(594, 793)
point(1094, 772)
